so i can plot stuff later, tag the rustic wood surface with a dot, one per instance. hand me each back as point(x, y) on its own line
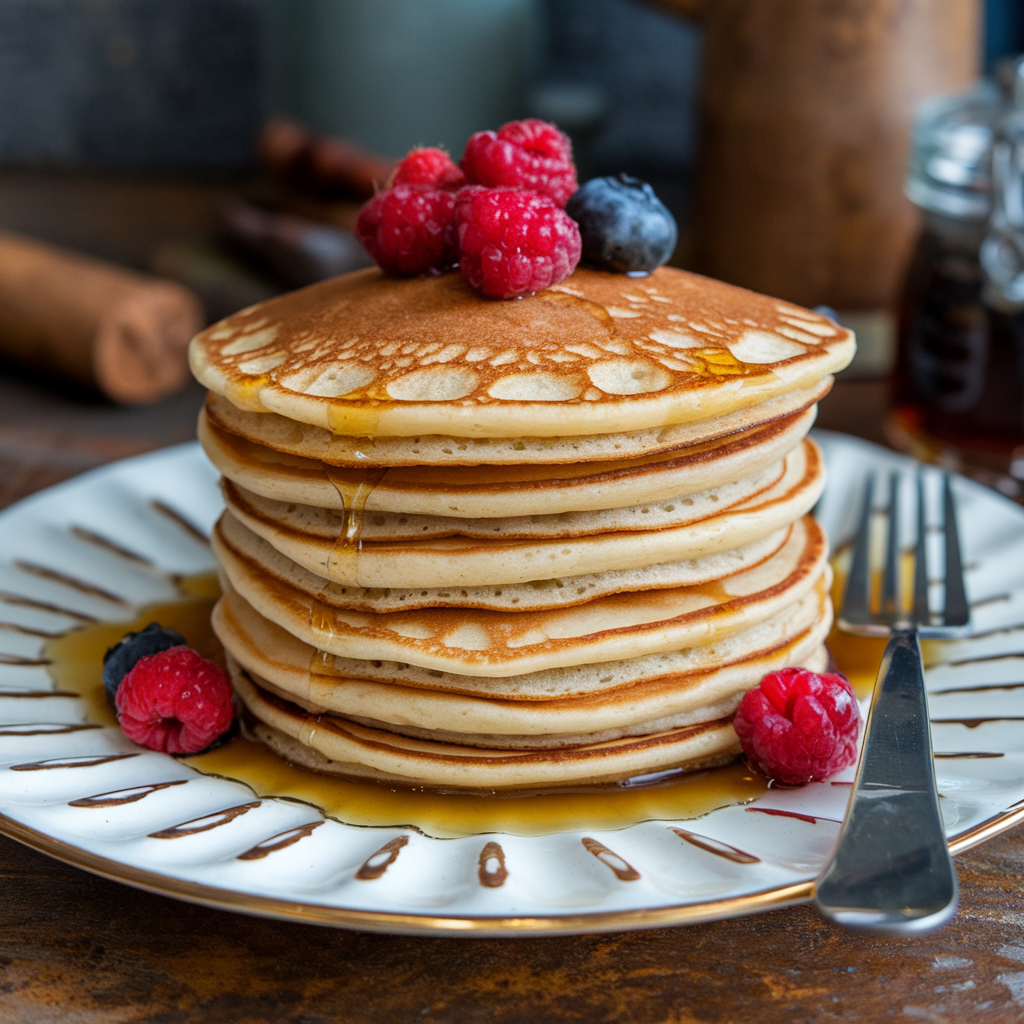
point(78, 949)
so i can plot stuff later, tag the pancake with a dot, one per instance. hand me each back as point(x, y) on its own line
point(736, 678)
point(239, 542)
point(481, 545)
point(335, 745)
point(503, 491)
point(273, 652)
point(368, 355)
point(610, 699)
point(488, 643)
point(269, 430)
point(466, 562)
point(388, 527)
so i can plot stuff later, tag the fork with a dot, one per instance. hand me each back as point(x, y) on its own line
point(891, 872)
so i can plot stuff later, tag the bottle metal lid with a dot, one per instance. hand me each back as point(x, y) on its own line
point(951, 157)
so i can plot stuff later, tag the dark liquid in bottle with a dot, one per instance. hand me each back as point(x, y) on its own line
point(960, 375)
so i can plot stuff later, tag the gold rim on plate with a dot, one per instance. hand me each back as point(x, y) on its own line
point(429, 924)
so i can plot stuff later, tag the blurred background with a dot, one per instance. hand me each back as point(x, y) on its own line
point(164, 163)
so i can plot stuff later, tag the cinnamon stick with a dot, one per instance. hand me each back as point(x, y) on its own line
point(101, 325)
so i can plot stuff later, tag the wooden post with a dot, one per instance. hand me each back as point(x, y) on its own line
point(807, 107)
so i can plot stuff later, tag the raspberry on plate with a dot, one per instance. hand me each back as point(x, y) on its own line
point(798, 726)
point(409, 230)
point(176, 701)
point(428, 166)
point(123, 656)
point(530, 154)
point(513, 242)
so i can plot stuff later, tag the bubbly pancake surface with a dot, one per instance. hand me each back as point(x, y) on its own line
point(364, 355)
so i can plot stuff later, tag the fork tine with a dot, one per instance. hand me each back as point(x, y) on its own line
point(956, 612)
point(890, 609)
point(922, 616)
point(856, 608)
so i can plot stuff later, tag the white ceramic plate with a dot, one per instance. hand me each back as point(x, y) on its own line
point(283, 858)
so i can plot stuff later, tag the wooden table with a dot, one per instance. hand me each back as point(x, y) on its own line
point(74, 948)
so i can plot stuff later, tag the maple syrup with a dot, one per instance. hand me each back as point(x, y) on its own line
point(354, 488)
point(355, 419)
point(76, 665)
point(76, 658)
point(343, 560)
point(959, 382)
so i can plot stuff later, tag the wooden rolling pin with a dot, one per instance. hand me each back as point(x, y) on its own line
point(96, 323)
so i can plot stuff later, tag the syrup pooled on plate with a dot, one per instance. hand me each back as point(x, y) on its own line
point(77, 666)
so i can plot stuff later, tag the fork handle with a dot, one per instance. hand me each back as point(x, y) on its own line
point(891, 872)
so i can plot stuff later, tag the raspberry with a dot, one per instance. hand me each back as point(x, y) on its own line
point(175, 701)
point(121, 658)
point(409, 230)
point(531, 154)
point(798, 726)
point(513, 242)
point(428, 166)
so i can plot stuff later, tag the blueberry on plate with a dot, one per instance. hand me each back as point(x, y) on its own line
point(121, 658)
point(624, 226)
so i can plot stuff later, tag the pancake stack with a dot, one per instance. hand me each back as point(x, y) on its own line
point(515, 545)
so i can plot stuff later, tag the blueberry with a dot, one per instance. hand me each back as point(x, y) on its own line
point(624, 226)
point(121, 658)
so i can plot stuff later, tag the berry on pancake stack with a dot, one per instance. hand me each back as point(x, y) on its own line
point(484, 544)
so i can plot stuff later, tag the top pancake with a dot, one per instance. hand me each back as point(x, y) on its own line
point(368, 355)
point(267, 430)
